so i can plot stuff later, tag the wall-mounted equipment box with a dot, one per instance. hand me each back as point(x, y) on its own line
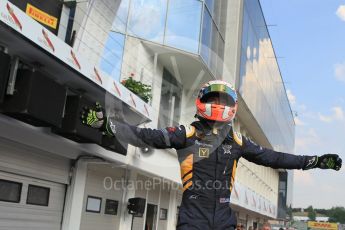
point(136, 206)
point(37, 99)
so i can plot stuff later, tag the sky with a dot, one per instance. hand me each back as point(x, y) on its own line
point(309, 38)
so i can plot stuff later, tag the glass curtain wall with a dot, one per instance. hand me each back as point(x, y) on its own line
point(170, 106)
point(111, 61)
point(213, 35)
point(261, 84)
point(147, 19)
point(183, 25)
point(194, 26)
point(101, 33)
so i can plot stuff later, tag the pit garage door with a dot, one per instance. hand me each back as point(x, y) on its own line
point(32, 188)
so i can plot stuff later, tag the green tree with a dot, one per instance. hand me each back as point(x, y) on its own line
point(296, 209)
point(322, 211)
point(337, 215)
point(311, 213)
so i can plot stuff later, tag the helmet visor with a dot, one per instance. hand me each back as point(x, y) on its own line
point(226, 95)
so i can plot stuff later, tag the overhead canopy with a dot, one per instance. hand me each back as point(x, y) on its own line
point(37, 47)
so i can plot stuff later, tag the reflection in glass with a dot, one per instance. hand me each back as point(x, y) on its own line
point(214, 48)
point(261, 84)
point(183, 24)
point(245, 29)
point(217, 11)
point(147, 19)
point(223, 14)
point(206, 37)
point(210, 5)
point(170, 107)
point(220, 61)
point(112, 55)
point(120, 21)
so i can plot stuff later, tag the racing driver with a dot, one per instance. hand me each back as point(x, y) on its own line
point(208, 152)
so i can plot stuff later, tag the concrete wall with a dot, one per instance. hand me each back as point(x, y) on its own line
point(98, 184)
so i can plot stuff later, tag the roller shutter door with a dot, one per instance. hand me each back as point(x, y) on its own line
point(32, 188)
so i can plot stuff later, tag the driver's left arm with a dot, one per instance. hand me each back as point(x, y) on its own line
point(274, 159)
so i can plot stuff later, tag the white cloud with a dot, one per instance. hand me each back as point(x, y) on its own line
point(339, 71)
point(291, 97)
point(298, 122)
point(303, 178)
point(307, 140)
point(145, 20)
point(327, 182)
point(338, 114)
point(293, 103)
point(325, 118)
point(341, 12)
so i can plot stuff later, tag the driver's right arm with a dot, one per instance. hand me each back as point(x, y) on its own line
point(171, 137)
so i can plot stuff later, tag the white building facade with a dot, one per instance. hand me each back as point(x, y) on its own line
point(50, 181)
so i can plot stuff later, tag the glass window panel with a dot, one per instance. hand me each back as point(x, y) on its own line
point(147, 19)
point(93, 204)
point(183, 25)
point(206, 37)
point(256, 49)
point(223, 16)
point(220, 61)
point(170, 108)
point(163, 214)
point(251, 38)
point(121, 15)
point(214, 48)
point(112, 55)
point(245, 30)
point(282, 185)
point(260, 50)
point(10, 191)
point(217, 11)
point(38, 195)
point(243, 72)
point(111, 207)
point(210, 5)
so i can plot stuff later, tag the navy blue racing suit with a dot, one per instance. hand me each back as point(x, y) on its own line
point(208, 160)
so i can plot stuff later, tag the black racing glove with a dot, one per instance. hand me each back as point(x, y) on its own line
point(95, 118)
point(327, 161)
